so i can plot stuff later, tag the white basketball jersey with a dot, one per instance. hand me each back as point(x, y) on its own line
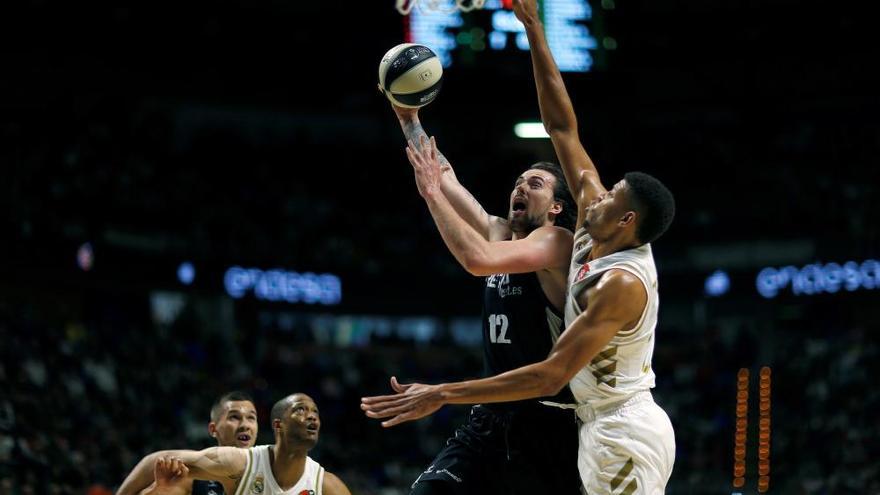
point(623, 367)
point(258, 478)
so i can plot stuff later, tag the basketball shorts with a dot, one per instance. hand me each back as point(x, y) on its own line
point(527, 451)
point(627, 450)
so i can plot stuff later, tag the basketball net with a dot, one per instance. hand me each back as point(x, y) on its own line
point(405, 6)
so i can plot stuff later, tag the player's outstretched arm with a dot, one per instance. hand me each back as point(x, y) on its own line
point(215, 463)
point(616, 303)
point(465, 204)
point(545, 247)
point(334, 486)
point(557, 112)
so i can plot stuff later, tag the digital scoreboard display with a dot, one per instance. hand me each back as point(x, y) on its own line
point(566, 24)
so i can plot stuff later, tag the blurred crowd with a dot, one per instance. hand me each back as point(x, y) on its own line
point(88, 387)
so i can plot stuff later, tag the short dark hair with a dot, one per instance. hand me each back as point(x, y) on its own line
point(279, 410)
point(235, 395)
point(654, 204)
point(568, 216)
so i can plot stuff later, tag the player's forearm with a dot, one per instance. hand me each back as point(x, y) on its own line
point(529, 382)
point(414, 132)
point(140, 478)
point(463, 241)
point(557, 112)
point(464, 203)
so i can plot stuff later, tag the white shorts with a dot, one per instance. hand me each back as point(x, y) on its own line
point(628, 450)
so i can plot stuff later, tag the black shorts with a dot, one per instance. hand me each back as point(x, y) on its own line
point(202, 487)
point(529, 450)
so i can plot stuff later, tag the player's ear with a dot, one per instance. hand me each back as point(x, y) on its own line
point(628, 218)
point(212, 429)
point(556, 208)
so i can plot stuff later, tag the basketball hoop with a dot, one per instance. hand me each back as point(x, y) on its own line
point(406, 6)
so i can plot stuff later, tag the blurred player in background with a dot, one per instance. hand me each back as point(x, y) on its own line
point(278, 469)
point(519, 447)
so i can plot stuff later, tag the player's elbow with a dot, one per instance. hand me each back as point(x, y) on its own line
point(560, 125)
point(477, 264)
point(556, 127)
point(560, 129)
point(552, 386)
point(553, 380)
point(478, 270)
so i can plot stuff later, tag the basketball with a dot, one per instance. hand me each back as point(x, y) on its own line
point(410, 75)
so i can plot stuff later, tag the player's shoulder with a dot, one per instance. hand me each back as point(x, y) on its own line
point(619, 281)
point(333, 485)
point(552, 233)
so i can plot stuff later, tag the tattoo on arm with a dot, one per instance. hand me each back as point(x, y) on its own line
point(414, 132)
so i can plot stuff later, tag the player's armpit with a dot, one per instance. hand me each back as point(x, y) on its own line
point(333, 485)
point(499, 229)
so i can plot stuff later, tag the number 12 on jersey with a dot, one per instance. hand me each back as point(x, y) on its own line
point(498, 329)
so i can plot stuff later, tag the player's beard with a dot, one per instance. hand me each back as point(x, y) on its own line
point(523, 224)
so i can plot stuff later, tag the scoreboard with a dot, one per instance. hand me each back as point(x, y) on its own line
point(566, 24)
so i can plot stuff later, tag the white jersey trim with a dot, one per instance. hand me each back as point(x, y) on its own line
point(239, 490)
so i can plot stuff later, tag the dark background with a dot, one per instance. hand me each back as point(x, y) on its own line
point(251, 133)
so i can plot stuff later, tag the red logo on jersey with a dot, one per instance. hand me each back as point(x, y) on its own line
point(582, 272)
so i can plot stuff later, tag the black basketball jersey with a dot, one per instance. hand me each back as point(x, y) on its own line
point(519, 325)
point(203, 487)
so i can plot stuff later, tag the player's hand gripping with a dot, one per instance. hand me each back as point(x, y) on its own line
point(172, 476)
point(412, 401)
point(526, 11)
point(426, 165)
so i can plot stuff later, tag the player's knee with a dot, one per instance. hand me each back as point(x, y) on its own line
point(431, 487)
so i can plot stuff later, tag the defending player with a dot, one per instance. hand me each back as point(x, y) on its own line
point(626, 441)
point(278, 469)
point(233, 424)
point(524, 258)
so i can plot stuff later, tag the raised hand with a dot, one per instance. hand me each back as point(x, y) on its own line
point(526, 11)
point(412, 401)
point(172, 477)
point(426, 165)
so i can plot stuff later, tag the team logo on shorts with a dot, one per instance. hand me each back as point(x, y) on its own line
point(258, 486)
point(582, 272)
